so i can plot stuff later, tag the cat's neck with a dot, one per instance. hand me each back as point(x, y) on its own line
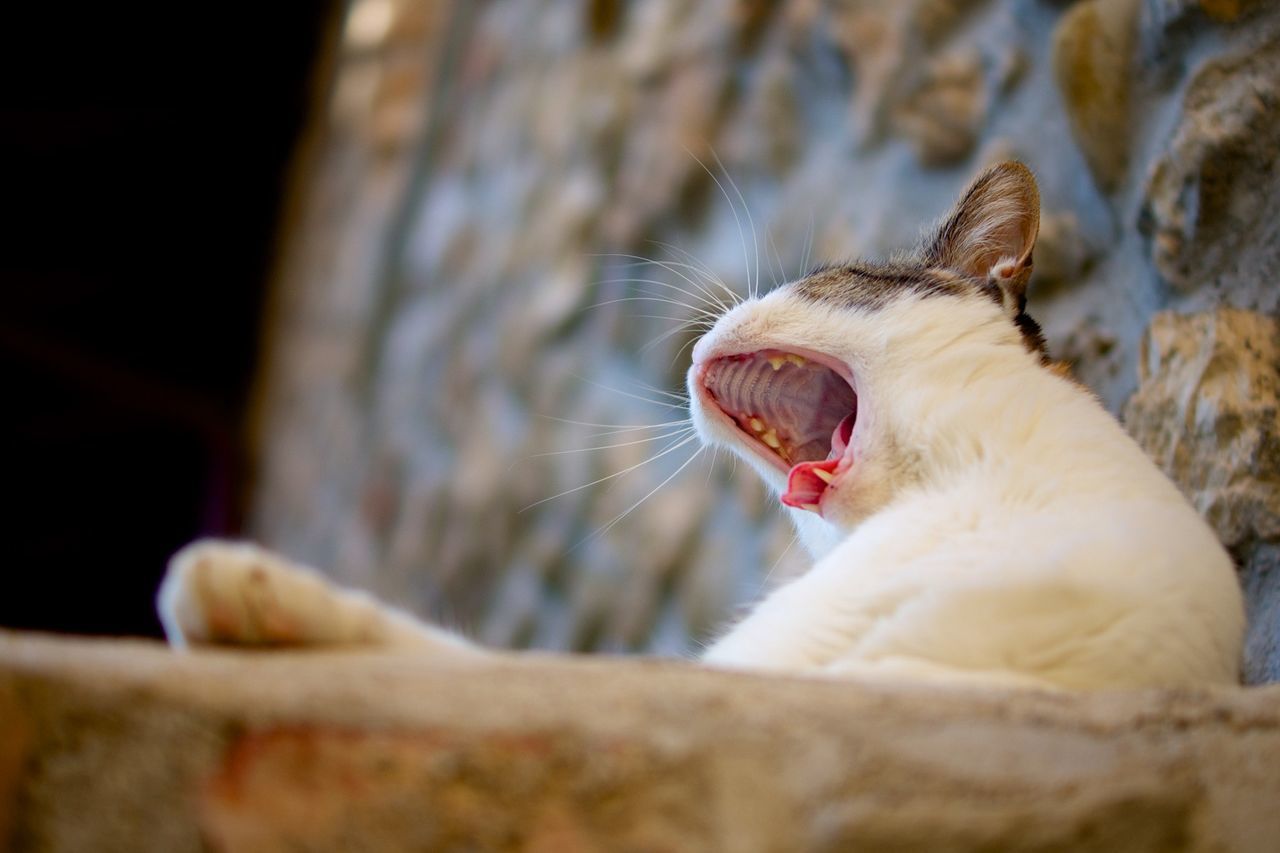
point(1013, 419)
point(1014, 433)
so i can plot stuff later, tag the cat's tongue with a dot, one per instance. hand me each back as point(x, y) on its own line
point(806, 484)
point(808, 481)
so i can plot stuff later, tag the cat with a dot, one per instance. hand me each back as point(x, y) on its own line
point(974, 516)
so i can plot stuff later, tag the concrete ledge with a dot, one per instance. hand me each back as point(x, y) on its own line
point(126, 746)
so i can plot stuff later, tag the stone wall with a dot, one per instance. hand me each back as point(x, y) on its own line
point(458, 304)
point(128, 746)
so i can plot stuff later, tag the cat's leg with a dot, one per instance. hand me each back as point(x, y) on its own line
point(233, 593)
point(799, 627)
point(820, 615)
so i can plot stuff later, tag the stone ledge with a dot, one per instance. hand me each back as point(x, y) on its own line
point(126, 746)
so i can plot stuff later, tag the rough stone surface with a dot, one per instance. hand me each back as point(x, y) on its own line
point(1092, 61)
point(1207, 410)
point(126, 746)
point(1211, 210)
point(448, 298)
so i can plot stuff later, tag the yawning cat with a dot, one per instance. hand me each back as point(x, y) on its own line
point(973, 515)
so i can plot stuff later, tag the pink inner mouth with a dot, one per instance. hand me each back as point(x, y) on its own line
point(794, 411)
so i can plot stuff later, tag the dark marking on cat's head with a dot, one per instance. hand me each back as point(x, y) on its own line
point(872, 286)
point(982, 248)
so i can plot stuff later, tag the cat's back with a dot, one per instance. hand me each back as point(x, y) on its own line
point(1068, 580)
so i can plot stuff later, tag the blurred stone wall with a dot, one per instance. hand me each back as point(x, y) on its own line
point(458, 306)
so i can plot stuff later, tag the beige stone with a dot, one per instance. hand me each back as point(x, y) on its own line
point(127, 746)
point(1207, 410)
point(941, 116)
point(1093, 57)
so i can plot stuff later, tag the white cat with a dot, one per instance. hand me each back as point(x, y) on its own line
point(974, 515)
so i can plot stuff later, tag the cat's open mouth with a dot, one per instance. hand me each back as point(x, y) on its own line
point(793, 410)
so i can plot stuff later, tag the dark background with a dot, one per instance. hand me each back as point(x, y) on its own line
point(144, 159)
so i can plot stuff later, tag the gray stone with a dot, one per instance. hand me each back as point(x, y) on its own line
point(1261, 579)
point(941, 115)
point(1061, 254)
point(1212, 200)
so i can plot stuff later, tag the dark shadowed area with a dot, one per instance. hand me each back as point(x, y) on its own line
point(144, 154)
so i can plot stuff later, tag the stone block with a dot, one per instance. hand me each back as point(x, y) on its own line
point(1093, 59)
point(128, 746)
point(1211, 203)
point(1207, 410)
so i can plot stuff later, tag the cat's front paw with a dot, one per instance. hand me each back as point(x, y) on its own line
point(236, 593)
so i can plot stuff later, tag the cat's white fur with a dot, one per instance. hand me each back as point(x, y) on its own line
point(998, 526)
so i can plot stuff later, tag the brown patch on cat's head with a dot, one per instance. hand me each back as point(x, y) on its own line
point(873, 286)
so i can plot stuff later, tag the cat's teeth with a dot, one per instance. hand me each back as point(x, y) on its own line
point(826, 476)
point(756, 425)
point(771, 438)
point(777, 361)
point(797, 359)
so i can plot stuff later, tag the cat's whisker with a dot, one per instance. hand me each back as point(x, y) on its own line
point(685, 322)
point(755, 241)
point(668, 435)
point(662, 403)
point(661, 453)
point(683, 398)
point(716, 305)
point(606, 528)
point(698, 267)
point(794, 539)
point(701, 312)
point(610, 432)
point(746, 257)
point(680, 352)
point(681, 325)
point(668, 334)
point(617, 427)
point(672, 267)
point(808, 248)
point(700, 318)
point(782, 268)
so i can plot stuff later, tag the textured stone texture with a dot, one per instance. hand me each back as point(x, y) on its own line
point(1211, 210)
point(475, 164)
point(1207, 410)
point(126, 746)
point(1092, 58)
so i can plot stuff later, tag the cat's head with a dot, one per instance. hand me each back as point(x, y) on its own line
point(849, 385)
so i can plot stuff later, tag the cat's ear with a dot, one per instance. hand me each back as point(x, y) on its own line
point(991, 232)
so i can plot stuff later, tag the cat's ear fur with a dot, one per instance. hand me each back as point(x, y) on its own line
point(989, 235)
